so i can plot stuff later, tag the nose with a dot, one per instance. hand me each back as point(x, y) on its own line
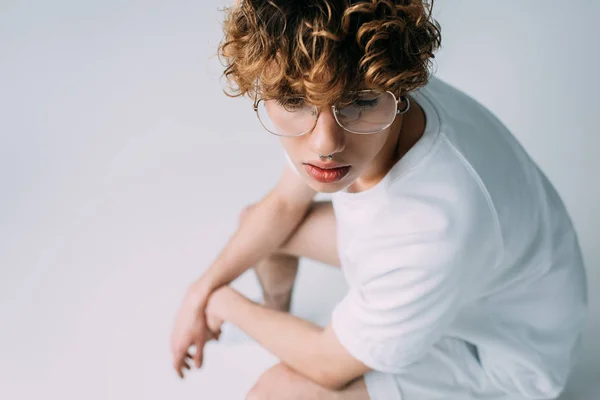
point(327, 137)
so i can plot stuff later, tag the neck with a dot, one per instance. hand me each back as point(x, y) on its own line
point(409, 130)
point(413, 127)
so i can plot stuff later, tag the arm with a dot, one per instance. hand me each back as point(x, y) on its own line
point(312, 351)
point(417, 276)
point(262, 230)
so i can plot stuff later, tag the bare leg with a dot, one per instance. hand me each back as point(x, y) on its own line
point(356, 390)
point(315, 238)
point(276, 275)
point(282, 382)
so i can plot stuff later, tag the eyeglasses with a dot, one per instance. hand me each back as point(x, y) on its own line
point(371, 111)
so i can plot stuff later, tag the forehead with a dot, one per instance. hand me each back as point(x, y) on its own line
point(300, 89)
point(343, 96)
point(320, 84)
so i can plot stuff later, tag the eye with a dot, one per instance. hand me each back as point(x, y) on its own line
point(367, 99)
point(291, 104)
point(366, 103)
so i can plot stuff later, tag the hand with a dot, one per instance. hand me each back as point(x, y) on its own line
point(191, 329)
point(214, 323)
point(217, 302)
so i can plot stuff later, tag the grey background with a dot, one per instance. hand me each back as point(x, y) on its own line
point(123, 168)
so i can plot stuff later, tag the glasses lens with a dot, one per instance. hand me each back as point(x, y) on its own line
point(286, 117)
point(370, 112)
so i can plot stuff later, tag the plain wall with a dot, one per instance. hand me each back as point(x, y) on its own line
point(123, 168)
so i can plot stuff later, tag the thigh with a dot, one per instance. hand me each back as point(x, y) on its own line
point(316, 235)
point(283, 383)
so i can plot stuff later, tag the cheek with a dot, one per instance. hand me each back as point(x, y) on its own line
point(291, 145)
point(367, 146)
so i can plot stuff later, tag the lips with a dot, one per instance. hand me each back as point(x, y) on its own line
point(326, 175)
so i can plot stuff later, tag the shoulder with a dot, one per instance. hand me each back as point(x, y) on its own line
point(436, 216)
point(444, 195)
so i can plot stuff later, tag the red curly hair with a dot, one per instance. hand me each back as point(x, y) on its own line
point(325, 49)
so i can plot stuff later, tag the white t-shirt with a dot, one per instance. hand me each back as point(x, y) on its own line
point(464, 237)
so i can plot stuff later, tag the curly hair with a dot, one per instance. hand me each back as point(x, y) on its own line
point(325, 49)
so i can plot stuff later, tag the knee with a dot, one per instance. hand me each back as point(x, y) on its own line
point(255, 394)
point(244, 213)
point(272, 384)
point(260, 390)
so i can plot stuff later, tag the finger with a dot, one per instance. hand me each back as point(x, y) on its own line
point(182, 367)
point(177, 369)
point(177, 360)
point(198, 357)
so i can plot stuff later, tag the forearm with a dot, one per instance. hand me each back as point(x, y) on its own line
point(262, 231)
point(296, 342)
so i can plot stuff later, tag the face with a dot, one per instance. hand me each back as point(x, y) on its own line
point(367, 155)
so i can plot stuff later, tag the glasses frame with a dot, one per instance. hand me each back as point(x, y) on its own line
point(335, 111)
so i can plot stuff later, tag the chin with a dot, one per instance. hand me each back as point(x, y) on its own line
point(327, 187)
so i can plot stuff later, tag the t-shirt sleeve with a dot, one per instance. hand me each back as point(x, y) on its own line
point(412, 283)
